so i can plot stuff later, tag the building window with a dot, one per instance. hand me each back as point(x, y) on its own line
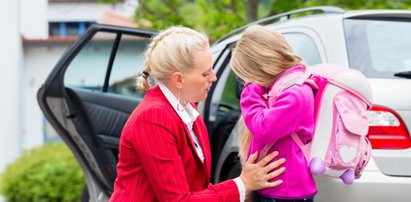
point(66, 29)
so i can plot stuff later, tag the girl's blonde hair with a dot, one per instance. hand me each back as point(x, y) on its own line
point(169, 51)
point(260, 56)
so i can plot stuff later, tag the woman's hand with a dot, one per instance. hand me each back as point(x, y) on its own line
point(255, 176)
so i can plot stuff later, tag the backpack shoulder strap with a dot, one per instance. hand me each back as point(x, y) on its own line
point(298, 77)
point(304, 148)
point(295, 78)
point(264, 151)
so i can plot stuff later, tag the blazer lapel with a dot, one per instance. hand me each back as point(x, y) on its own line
point(192, 145)
point(201, 133)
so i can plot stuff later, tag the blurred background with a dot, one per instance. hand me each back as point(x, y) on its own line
point(35, 34)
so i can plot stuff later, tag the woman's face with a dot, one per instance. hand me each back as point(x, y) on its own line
point(198, 81)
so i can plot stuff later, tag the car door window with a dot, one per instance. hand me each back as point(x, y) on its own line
point(304, 46)
point(228, 97)
point(89, 68)
point(224, 97)
point(226, 84)
point(128, 63)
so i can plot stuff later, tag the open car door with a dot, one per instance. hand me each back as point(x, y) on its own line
point(89, 95)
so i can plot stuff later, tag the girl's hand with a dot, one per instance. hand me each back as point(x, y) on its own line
point(256, 176)
point(253, 87)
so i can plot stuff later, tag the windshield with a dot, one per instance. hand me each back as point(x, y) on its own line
point(378, 48)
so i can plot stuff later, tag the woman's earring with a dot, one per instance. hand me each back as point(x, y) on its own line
point(180, 108)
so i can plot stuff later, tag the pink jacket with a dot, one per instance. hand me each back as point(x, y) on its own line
point(292, 112)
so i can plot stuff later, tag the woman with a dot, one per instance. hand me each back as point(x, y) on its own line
point(164, 147)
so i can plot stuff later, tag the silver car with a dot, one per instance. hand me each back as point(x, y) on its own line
point(90, 93)
point(375, 42)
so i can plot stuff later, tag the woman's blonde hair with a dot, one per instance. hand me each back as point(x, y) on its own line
point(169, 51)
point(260, 56)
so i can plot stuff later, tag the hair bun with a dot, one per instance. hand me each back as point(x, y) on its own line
point(145, 74)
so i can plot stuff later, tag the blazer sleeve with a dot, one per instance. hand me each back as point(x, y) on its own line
point(161, 161)
point(269, 124)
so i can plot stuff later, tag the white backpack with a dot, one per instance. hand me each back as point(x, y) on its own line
point(339, 147)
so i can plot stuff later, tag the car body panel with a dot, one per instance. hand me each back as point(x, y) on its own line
point(388, 172)
point(372, 186)
point(377, 14)
point(398, 89)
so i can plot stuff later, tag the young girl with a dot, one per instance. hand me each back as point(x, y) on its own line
point(261, 57)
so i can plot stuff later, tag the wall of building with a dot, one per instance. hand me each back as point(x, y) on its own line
point(10, 83)
point(39, 60)
point(60, 12)
point(33, 19)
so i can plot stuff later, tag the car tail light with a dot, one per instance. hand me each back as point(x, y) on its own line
point(386, 129)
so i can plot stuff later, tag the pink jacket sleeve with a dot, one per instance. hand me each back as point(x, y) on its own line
point(269, 124)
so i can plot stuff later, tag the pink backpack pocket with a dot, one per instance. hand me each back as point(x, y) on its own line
point(349, 136)
point(353, 112)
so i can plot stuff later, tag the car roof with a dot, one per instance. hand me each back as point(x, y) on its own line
point(279, 19)
point(377, 14)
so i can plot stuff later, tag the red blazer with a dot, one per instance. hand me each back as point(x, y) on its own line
point(158, 160)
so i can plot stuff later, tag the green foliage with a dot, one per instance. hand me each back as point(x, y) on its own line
point(217, 18)
point(161, 13)
point(220, 17)
point(110, 1)
point(46, 173)
point(277, 7)
point(361, 4)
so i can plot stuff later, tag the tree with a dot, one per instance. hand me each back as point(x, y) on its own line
point(217, 18)
point(213, 17)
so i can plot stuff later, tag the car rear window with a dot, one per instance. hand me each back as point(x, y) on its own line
point(378, 48)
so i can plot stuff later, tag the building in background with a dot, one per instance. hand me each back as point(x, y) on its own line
point(35, 34)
